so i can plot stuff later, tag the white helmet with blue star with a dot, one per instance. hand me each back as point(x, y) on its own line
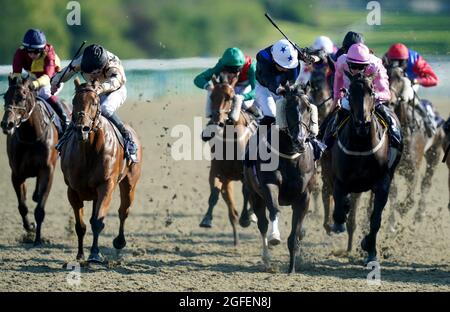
point(284, 54)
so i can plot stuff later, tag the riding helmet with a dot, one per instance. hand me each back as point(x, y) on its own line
point(34, 39)
point(94, 58)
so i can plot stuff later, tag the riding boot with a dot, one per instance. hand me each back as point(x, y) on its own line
point(332, 127)
point(62, 140)
point(130, 145)
point(255, 111)
point(318, 147)
point(430, 126)
point(394, 129)
point(58, 107)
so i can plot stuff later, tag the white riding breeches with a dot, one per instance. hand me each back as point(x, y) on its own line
point(109, 103)
point(266, 100)
point(46, 93)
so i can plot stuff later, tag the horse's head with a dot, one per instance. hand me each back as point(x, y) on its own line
point(19, 103)
point(86, 108)
point(319, 84)
point(298, 106)
point(401, 91)
point(362, 103)
point(222, 99)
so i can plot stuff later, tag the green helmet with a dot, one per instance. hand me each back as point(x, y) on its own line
point(233, 57)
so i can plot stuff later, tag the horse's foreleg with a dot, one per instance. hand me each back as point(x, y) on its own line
point(342, 206)
point(21, 193)
point(247, 214)
point(45, 184)
point(393, 199)
point(381, 196)
point(99, 211)
point(270, 192)
point(432, 156)
point(351, 221)
point(299, 210)
point(80, 226)
point(327, 204)
point(227, 194)
point(259, 207)
point(215, 187)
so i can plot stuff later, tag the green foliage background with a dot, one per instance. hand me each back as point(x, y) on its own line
point(183, 28)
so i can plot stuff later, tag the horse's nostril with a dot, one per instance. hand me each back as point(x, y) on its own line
point(85, 129)
point(10, 125)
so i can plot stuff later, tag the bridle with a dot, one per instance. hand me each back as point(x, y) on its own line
point(93, 126)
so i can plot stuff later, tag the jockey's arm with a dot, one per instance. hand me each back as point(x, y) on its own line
point(338, 85)
point(114, 81)
point(66, 73)
point(202, 80)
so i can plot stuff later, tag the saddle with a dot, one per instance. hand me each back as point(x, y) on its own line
point(52, 115)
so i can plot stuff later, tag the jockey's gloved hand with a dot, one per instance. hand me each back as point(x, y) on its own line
point(34, 86)
point(238, 99)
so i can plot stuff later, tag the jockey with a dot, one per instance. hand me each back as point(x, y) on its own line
point(360, 60)
point(275, 66)
point(321, 43)
point(98, 64)
point(39, 59)
point(418, 71)
point(233, 61)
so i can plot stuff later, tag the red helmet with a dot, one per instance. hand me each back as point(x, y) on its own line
point(398, 51)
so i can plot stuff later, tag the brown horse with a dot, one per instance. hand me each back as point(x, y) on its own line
point(361, 160)
point(228, 145)
point(287, 181)
point(417, 146)
point(92, 161)
point(30, 145)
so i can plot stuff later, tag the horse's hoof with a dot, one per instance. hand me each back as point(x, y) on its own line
point(38, 243)
point(119, 242)
point(369, 259)
point(96, 258)
point(338, 228)
point(80, 256)
point(30, 228)
point(244, 221)
point(206, 223)
point(274, 239)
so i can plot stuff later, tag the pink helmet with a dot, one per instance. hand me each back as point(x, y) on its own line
point(358, 53)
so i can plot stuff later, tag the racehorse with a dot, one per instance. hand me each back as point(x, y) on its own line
point(31, 139)
point(288, 182)
point(361, 160)
point(417, 145)
point(322, 96)
point(93, 164)
point(229, 141)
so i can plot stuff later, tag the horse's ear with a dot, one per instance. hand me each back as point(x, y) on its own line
point(77, 82)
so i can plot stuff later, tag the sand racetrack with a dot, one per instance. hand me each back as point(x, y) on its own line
point(167, 251)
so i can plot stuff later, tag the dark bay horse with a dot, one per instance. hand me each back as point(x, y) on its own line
point(228, 147)
point(417, 146)
point(93, 164)
point(288, 183)
point(360, 162)
point(31, 140)
point(321, 95)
